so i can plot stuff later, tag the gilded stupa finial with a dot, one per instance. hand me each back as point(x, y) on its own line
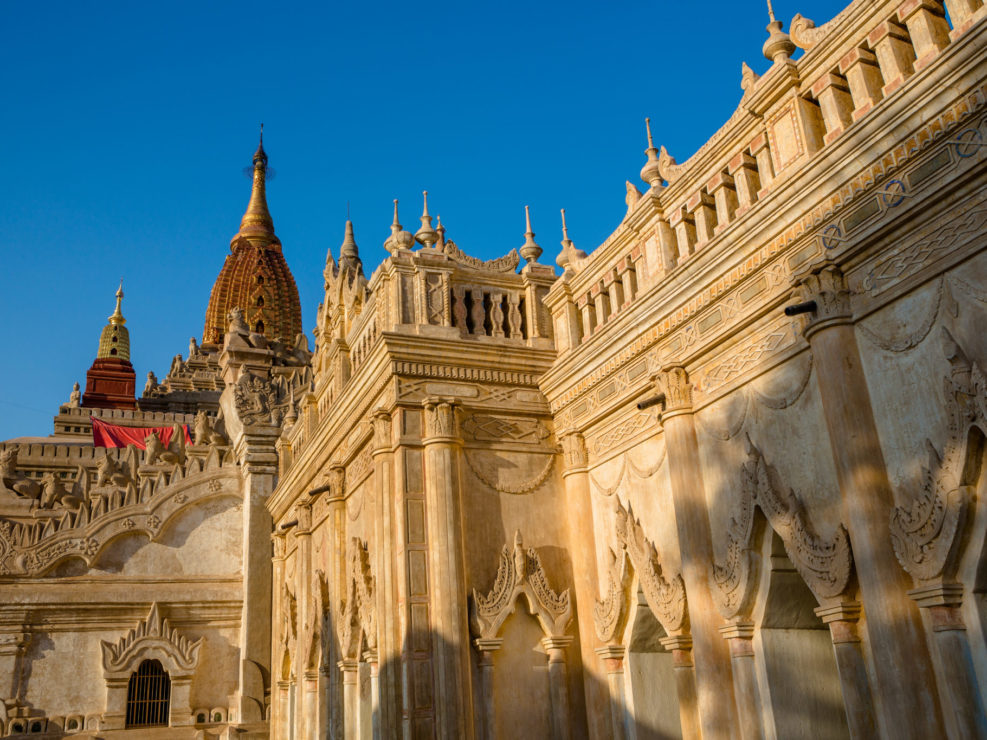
point(117, 316)
point(257, 224)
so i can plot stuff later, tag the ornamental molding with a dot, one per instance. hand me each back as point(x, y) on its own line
point(121, 502)
point(666, 597)
point(508, 263)
point(825, 564)
point(520, 573)
point(153, 637)
point(925, 535)
point(804, 240)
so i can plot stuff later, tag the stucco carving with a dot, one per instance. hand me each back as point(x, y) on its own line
point(520, 572)
point(925, 533)
point(610, 613)
point(259, 400)
point(574, 451)
point(440, 417)
point(358, 609)
point(824, 564)
point(153, 637)
point(826, 285)
point(489, 478)
point(674, 383)
point(666, 598)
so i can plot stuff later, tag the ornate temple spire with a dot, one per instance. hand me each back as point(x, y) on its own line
point(114, 340)
point(530, 250)
point(570, 257)
point(117, 316)
point(349, 253)
point(778, 47)
point(651, 172)
point(257, 224)
point(255, 277)
point(426, 234)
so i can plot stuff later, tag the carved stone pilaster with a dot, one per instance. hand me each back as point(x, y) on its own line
point(826, 286)
point(575, 456)
point(440, 420)
point(381, 420)
point(336, 479)
point(674, 382)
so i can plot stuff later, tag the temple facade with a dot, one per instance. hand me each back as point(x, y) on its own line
point(721, 477)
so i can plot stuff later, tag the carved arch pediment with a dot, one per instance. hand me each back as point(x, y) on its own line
point(825, 564)
point(358, 608)
point(152, 638)
point(925, 535)
point(520, 573)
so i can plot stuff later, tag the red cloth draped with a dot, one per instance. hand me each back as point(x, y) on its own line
point(111, 435)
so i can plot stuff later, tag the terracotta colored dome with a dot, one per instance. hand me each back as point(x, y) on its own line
point(255, 277)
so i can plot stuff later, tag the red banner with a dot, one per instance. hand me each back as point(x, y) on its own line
point(111, 435)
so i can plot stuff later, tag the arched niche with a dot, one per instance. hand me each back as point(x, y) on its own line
point(649, 676)
point(152, 639)
point(798, 680)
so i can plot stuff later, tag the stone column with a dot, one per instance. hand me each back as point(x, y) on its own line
point(487, 648)
point(685, 684)
point(12, 648)
point(613, 658)
point(371, 658)
point(305, 711)
point(279, 707)
point(447, 572)
point(256, 453)
point(714, 683)
point(336, 576)
point(740, 636)
point(906, 705)
point(350, 670)
point(388, 637)
point(582, 549)
point(851, 666)
point(558, 684)
point(943, 600)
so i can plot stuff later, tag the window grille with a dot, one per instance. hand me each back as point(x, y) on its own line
point(148, 696)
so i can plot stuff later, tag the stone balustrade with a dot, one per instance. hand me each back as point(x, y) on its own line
point(789, 116)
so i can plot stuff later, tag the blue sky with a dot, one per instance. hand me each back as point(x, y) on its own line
point(126, 128)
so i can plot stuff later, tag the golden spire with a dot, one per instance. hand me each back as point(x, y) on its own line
point(117, 316)
point(114, 340)
point(257, 223)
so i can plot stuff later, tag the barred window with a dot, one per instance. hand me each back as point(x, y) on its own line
point(148, 696)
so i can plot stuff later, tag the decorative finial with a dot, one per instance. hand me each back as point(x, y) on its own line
point(569, 256)
point(778, 47)
point(117, 316)
point(426, 234)
point(348, 251)
point(257, 224)
point(399, 238)
point(651, 172)
point(530, 250)
point(440, 230)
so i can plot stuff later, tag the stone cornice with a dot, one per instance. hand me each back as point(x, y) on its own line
point(807, 234)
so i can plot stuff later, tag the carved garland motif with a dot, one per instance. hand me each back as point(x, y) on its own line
point(609, 615)
point(924, 534)
point(824, 564)
point(520, 572)
point(519, 489)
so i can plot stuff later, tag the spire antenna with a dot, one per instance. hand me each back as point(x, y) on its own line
point(771, 12)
